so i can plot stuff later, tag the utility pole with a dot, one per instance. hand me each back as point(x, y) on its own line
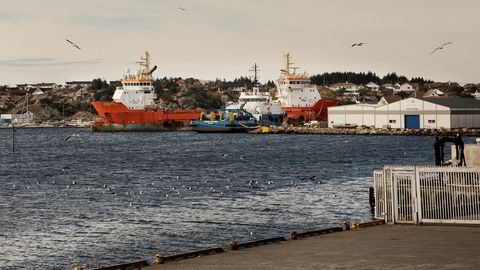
point(63, 114)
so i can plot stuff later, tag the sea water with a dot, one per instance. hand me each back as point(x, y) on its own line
point(97, 199)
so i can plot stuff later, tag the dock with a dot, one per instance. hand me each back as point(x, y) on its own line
point(376, 247)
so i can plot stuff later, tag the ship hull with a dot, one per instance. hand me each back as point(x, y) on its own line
point(318, 112)
point(222, 126)
point(115, 116)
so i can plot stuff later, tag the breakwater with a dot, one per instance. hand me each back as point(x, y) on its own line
point(367, 131)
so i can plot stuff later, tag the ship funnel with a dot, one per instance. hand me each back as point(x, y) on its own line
point(152, 70)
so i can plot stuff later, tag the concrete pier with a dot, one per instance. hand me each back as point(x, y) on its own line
point(378, 247)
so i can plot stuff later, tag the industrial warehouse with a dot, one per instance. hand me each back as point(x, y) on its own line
point(427, 113)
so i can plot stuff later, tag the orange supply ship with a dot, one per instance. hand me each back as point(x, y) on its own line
point(300, 100)
point(133, 107)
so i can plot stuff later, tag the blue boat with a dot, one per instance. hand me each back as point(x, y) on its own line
point(229, 121)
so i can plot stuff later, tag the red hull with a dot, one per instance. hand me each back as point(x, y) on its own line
point(317, 112)
point(118, 113)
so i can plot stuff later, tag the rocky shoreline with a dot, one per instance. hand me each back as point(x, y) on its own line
point(367, 131)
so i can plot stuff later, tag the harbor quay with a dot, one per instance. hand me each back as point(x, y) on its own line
point(365, 131)
point(373, 247)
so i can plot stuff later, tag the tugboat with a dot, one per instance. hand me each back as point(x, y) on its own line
point(301, 100)
point(133, 107)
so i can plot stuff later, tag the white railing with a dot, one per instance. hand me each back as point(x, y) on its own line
point(427, 194)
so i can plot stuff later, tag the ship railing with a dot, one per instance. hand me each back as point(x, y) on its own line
point(419, 194)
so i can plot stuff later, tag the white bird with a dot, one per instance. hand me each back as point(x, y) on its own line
point(73, 44)
point(441, 47)
point(71, 135)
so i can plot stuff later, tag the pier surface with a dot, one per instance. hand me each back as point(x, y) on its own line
point(378, 247)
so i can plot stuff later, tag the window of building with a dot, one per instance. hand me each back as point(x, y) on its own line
point(431, 121)
point(392, 121)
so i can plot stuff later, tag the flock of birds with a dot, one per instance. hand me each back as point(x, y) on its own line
point(359, 44)
point(436, 49)
point(174, 190)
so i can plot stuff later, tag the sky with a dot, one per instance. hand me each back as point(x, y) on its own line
point(224, 38)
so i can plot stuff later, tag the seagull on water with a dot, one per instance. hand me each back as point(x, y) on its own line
point(73, 44)
point(441, 47)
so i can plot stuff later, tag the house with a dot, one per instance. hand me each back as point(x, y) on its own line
point(350, 88)
point(434, 93)
point(18, 119)
point(476, 95)
point(388, 99)
point(431, 113)
point(406, 87)
point(43, 86)
point(78, 84)
point(37, 92)
point(373, 86)
point(388, 86)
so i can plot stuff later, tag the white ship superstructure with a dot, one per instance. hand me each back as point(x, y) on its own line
point(295, 89)
point(255, 101)
point(137, 91)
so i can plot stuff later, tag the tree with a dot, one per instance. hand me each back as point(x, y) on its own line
point(98, 84)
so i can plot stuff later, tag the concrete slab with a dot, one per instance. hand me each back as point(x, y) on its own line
point(378, 247)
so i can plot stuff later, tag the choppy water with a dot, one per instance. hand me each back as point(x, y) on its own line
point(102, 198)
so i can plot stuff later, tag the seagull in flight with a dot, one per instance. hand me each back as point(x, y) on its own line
point(358, 44)
point(182, 9)
point(73, 44)
point(441, 47)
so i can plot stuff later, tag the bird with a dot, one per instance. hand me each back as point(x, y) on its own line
point(358, 44)
point(182, 9)
point(441, 47)
point(74, 134)
point(73, 44)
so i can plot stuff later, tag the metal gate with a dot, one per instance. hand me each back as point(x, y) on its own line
point(448, 195)
point(414, 194)
point(403, 197)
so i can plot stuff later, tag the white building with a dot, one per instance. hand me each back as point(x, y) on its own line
point(432, 113)
point(18, 119)
point(350, 88)
point(406, 87)
point(78, 84)
point(373, 86)
point(434, 93)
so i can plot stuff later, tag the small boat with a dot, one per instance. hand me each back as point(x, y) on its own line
point(229, 121)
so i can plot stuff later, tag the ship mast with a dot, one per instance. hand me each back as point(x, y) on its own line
point(255, 71)
point(288, 66)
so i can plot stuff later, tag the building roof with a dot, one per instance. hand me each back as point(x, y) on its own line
point(455, 102)
point(391, 99)
point(79, 82)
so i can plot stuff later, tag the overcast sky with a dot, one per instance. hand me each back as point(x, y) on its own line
point(223, 38)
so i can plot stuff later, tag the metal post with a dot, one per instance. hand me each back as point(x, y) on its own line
point(13, 137)
point(64, 114)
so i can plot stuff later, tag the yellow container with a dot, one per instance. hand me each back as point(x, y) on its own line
point(266, 129)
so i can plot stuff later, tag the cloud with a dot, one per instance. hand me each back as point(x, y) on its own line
point(43, 62)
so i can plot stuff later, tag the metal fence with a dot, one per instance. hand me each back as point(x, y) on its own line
point(427, 194)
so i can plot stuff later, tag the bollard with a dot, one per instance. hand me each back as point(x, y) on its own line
point(292, 236)
point(158, 259)
point(346, 225)
point(234, 245)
